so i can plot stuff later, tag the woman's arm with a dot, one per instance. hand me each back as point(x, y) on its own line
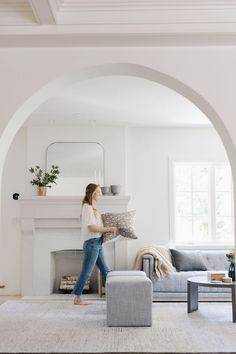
point(102, 229)
point(88, 219)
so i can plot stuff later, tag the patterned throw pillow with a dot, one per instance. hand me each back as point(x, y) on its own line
point(124, 222)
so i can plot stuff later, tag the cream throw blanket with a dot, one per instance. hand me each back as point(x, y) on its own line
point(162, 260)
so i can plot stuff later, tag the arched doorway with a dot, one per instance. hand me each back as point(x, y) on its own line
point(125, 69)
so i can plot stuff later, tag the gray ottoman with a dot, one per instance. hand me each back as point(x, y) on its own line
point(129, 300)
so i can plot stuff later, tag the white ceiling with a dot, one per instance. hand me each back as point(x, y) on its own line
point(73, 23)
point(78, 12)
point(119, 100)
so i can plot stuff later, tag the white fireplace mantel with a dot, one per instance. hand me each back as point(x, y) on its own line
point(63, 211)
point(47, 224)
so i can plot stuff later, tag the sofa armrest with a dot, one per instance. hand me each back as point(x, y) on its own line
point(148, 264)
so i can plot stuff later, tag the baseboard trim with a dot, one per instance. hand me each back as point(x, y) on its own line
point(123, 352)
point(10, 291)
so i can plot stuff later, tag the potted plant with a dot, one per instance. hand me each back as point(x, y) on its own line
point(44, 179)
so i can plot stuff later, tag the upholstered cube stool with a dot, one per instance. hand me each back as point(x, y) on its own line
point(129, 300)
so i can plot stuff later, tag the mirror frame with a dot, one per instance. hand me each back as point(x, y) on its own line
point(78, 142)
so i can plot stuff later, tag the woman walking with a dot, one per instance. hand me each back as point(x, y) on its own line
point(92, 229)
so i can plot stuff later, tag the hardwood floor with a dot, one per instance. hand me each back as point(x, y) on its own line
point(4, 298)
point(52, 297)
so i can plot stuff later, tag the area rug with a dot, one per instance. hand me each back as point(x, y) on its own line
point(61, 327)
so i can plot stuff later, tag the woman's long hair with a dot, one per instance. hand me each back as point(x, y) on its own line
point(91, 187)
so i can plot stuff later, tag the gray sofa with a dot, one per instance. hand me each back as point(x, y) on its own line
point(176, 285)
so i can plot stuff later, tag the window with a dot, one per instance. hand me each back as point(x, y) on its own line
point(203, 203)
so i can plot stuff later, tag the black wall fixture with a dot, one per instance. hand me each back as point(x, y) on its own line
point(15, 196)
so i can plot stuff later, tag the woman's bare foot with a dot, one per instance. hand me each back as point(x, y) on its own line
point(79, 301)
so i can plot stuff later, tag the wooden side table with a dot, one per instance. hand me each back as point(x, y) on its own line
point(100, 286)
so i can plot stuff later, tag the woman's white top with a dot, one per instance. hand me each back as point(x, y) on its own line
point(90, 217)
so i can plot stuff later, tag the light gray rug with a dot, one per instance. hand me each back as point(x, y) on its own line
point(61, 327)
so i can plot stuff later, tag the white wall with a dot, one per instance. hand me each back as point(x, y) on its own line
point(14, 181)
point(136, 158)
point(149, 152)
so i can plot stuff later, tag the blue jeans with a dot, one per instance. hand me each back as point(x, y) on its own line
point(93, 255)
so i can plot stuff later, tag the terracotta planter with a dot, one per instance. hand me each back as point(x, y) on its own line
point(42, 191)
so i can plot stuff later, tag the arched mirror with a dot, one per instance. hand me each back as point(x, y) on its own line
point(79, 164)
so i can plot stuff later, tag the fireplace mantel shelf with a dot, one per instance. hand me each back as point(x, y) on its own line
point(70, 199)
point(66, 207)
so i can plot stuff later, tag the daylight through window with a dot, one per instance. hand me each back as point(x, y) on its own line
point(203, 203)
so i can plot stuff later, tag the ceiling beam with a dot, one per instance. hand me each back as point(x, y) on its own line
point(116, 40)
point(43, 12)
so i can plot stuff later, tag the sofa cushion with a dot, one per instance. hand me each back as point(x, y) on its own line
point(177, 283)
point(187, 261)
point(215, 259)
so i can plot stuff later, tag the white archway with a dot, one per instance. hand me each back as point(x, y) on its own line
point(128, 69)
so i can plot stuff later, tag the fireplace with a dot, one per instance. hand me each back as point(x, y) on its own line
point(68, 264)
point(51, 224)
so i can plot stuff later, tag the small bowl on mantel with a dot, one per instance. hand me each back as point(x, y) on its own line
point(105, 190)
point(115, 189)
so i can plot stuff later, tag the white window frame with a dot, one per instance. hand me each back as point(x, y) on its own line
point(191, 245)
